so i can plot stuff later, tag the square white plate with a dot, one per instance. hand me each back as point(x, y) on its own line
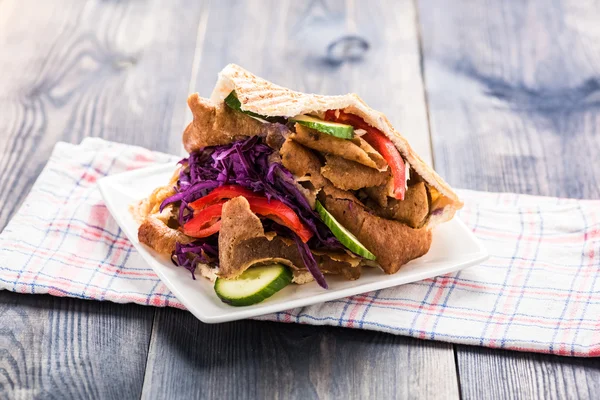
point(454, 247)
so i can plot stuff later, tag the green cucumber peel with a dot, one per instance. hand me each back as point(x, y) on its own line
point(342, 234)
point(234, 103)
point(340, 131)
point(254, 285)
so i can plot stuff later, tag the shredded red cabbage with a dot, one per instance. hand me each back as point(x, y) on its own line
point(307, 256)
point(246, 163)
point(189, 255)
point(309, 262)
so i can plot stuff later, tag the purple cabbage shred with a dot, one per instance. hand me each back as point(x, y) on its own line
point(245, 163)
point(189, 255)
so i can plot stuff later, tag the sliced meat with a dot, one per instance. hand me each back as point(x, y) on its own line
point(381, 194)
point(339, 263)
point(276, 135)
point(354, 150)
point(332, 267)
point(413, 210)
point(301, 162)
point(239, 227)
point(305, 166)
point(393, 243)
point(380, 163)
point(155, 233)
point(216, 124)
point(303, 184)
point(243, 243)
point(156, 229)
point(343, 256)
point(350, 175)
point(261, 250)
point(307, 189)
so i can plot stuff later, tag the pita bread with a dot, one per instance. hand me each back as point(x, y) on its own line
point(265, 98)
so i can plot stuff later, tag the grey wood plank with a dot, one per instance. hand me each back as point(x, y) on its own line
point(55, 348)
point(269, 360)
point(289, 47)
point(499, 374)
point(513, 95)
point(286, 42)
point(71, 69)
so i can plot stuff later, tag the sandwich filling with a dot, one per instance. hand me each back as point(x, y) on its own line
point(320, 194)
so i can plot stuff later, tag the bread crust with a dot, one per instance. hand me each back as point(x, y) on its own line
point(265, 98)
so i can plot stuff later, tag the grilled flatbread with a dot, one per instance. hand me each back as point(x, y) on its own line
point(349, 177)
point(265, 98)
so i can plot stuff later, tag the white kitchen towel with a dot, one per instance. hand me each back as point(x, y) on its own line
point(539, 291)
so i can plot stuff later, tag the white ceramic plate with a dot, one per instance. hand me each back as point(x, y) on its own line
point(454, 247)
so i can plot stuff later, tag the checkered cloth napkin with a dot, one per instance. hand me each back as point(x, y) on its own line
point(539, 291)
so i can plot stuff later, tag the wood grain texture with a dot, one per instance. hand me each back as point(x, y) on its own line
point(514, 95)
point(72, 69)
point(288, 46)
point(89, 68)
point(514, 104)
point(287, 42)
point(268, 360)
point(55, 348)
point(498, 374)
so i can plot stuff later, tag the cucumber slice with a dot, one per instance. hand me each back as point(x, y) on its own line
point(342, 234)
point(338, 130)
point(234, 103)
point(254, 285)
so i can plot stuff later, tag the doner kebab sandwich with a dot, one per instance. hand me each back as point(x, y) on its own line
point(285, 187)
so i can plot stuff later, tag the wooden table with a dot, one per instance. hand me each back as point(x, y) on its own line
point(500, 96)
